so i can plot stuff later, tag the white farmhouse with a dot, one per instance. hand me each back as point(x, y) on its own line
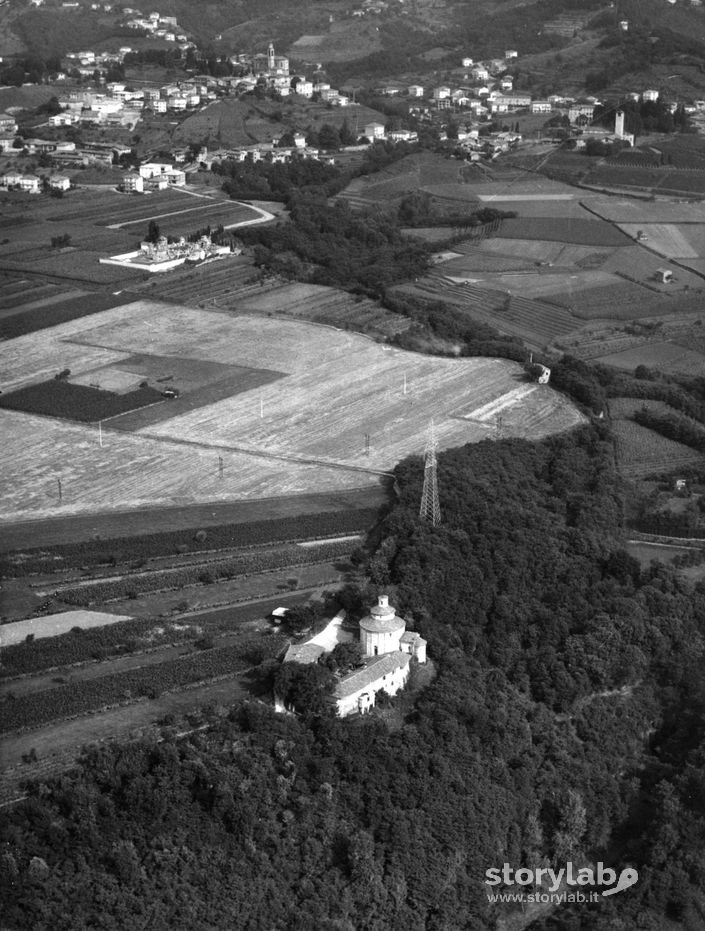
point(374, 131)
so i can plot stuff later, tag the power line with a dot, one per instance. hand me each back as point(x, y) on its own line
point(430, 509)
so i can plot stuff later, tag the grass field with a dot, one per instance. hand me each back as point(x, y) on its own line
point(303, 431)
point(666, 238)
point(631, 210)
point(667, 357)
point(568, 230)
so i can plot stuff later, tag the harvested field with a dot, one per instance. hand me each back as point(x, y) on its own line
point(325, 411)
point(133, 471)
point(51, 625)
point(307, 429)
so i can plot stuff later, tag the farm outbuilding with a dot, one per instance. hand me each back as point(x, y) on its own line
point(664, 275)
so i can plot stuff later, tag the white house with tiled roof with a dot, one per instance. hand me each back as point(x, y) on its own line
point(8, 124)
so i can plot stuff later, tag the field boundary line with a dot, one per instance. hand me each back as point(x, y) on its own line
point(263, 455)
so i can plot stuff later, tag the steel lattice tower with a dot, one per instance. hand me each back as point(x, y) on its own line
point(430, 505)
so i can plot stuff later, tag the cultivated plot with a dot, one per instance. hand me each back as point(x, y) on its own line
point(328, 408)
point(342, 409)
point(53, 468)
point(667, 357)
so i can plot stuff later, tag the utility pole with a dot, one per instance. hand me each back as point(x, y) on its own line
point(430, 509)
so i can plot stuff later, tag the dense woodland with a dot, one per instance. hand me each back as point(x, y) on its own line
point(565, 721)
point(334, 245)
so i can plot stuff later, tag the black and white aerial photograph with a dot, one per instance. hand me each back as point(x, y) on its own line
point(352, 474)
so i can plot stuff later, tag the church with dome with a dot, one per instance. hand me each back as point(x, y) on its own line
point(387, 648)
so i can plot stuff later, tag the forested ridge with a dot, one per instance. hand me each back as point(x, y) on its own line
point(565, 722)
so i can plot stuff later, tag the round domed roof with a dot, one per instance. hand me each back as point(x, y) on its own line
point(382, 618)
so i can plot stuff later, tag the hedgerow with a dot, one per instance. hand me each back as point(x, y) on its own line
point(59, 557)
point(170, 579)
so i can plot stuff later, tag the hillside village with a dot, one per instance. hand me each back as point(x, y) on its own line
point(478, 114)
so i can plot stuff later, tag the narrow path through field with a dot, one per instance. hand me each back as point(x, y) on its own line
point(264, 215)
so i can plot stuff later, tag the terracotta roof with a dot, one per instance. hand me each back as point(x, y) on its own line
point(375, 667)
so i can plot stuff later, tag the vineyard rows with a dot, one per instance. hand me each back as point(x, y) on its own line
point(65, 701)
point(531, 320)
point(641, 451)
point(92, 592)
point(222, 283)
point(19, 291)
